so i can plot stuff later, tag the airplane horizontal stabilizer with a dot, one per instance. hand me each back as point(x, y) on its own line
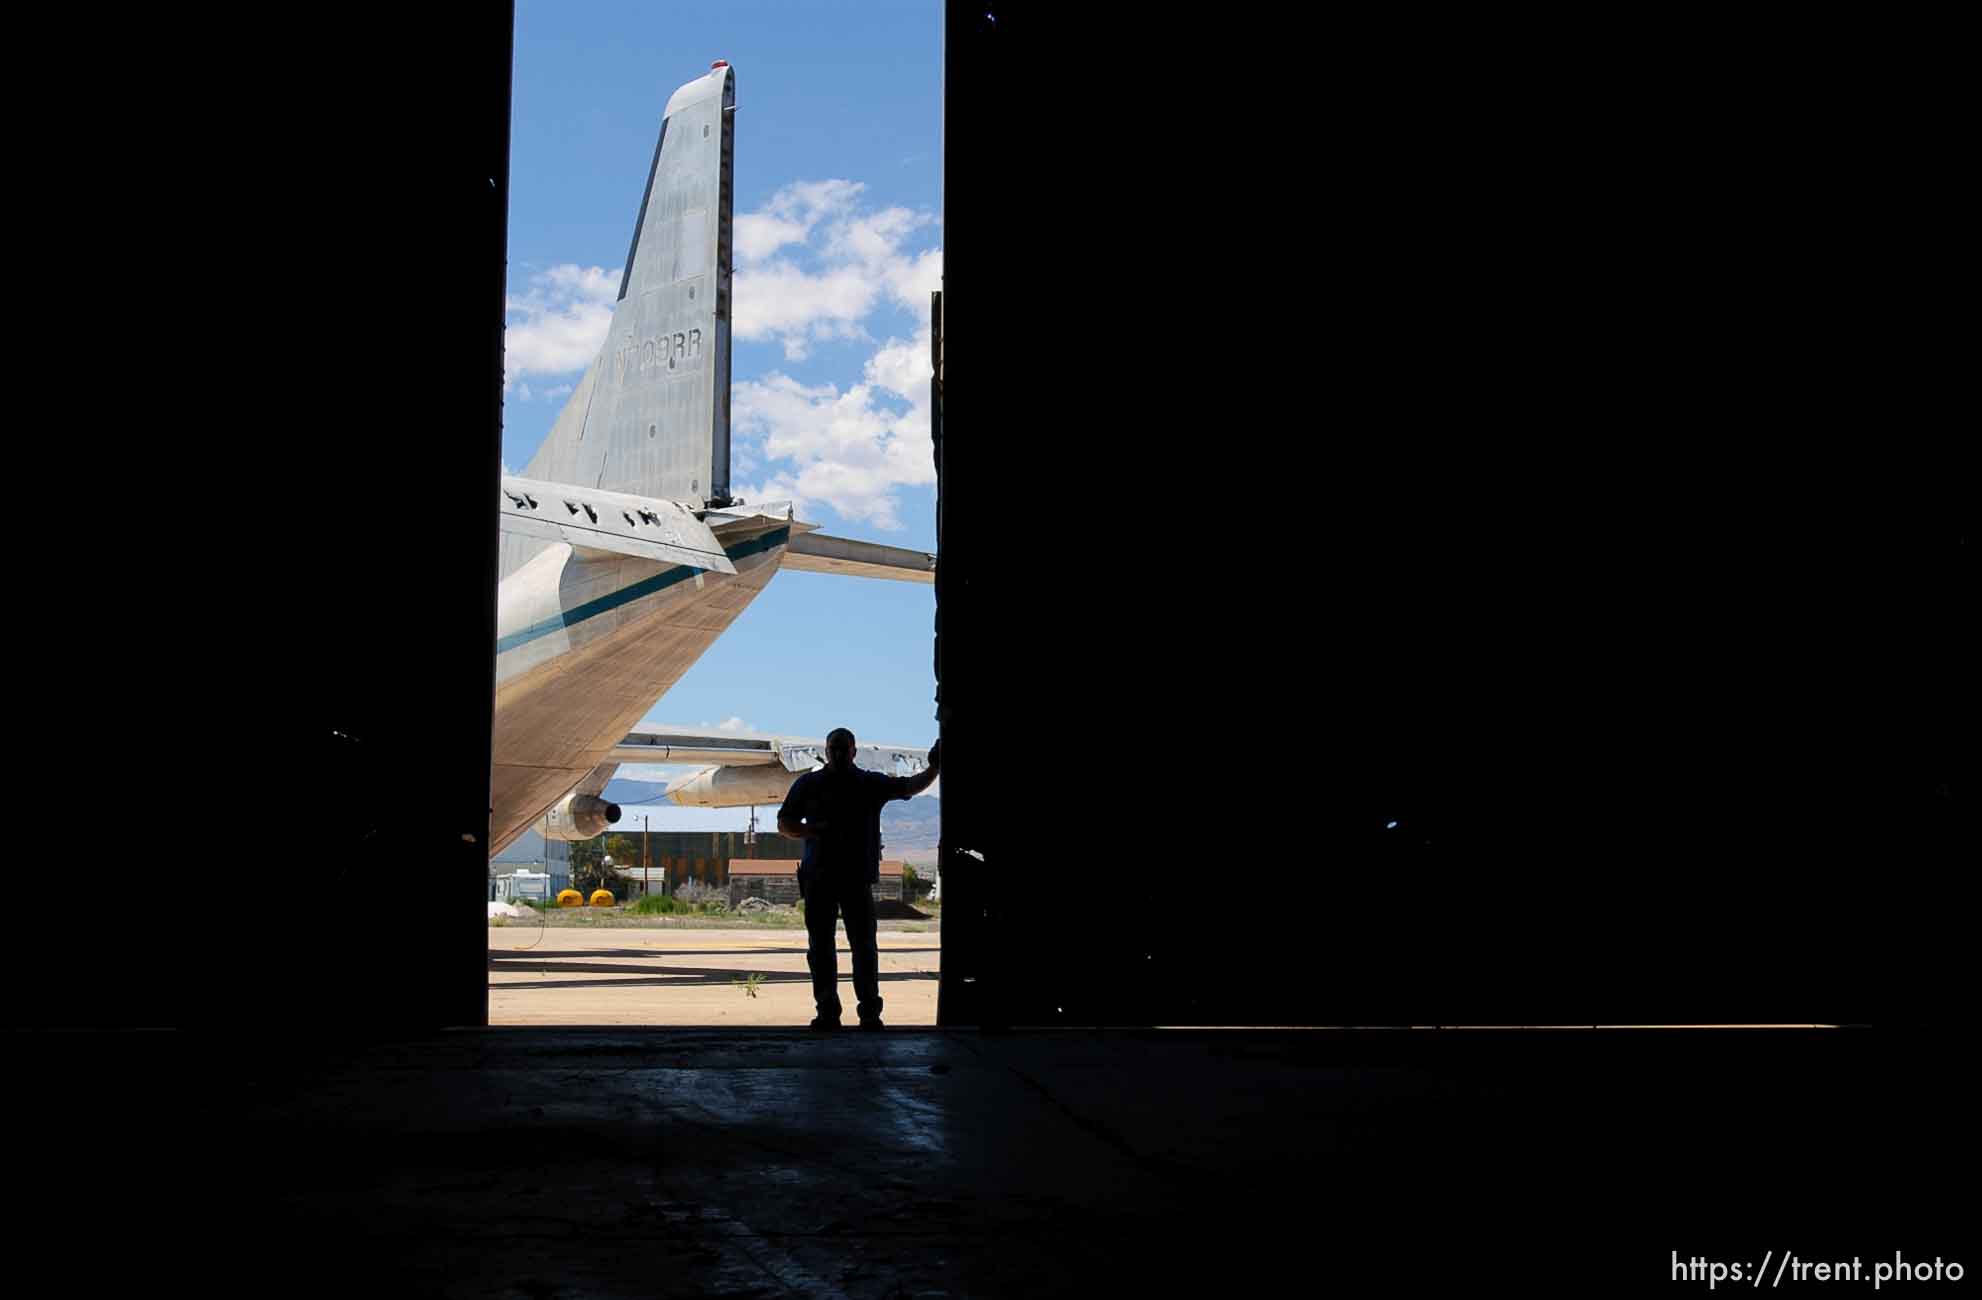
point(818, 553)
point(595, 519)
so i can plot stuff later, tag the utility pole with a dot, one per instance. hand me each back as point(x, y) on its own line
point(646, 857)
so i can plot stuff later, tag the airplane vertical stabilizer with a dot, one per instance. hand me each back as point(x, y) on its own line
point(651, 416)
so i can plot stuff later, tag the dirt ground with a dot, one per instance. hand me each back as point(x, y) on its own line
point(640, 976)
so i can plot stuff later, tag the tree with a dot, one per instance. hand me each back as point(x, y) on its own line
point(588, 871)
point(623, 849)
point(585, 858)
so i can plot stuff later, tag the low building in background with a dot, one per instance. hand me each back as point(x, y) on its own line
point(775, 880)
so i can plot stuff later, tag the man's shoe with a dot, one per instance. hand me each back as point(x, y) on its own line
point(872, 1023)
point(822, 1023)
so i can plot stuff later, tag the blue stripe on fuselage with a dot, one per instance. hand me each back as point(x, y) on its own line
point(645, 587)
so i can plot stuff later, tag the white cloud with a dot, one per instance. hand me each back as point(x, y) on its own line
point(729, 724)
point(843, 263)
point(874, 239)
point(759, 235)
point(848, 450)
point(558, 323)
point(783, 302)
point(791, 215)
point(911, 281)
point(905, 370)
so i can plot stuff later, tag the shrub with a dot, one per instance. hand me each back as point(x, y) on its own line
point(656, 905)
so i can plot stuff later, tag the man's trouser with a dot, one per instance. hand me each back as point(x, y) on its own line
point(825, 899)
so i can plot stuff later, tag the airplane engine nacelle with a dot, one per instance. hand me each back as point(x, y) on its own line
point(577, 817)
point(732, 787)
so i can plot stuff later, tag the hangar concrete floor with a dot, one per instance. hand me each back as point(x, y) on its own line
point(539, 1162)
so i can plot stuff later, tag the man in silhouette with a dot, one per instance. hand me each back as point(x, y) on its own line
point(837, 812)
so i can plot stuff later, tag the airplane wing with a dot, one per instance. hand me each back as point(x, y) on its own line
point(744, 749)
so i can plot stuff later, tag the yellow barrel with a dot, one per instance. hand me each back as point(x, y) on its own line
point(570, 898)
point(602, 898)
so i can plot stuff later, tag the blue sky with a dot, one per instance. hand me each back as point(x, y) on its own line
point(838, 206)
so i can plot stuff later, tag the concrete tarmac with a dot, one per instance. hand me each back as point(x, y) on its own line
point(691, 977)
point(765, 1163)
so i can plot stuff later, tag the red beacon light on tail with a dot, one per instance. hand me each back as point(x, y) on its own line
point(719, 63)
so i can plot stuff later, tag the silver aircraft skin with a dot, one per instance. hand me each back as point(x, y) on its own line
point(624, 556)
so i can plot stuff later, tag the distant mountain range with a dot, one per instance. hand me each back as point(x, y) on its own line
point(911, 829)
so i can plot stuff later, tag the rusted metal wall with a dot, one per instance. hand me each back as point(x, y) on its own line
point(783, 887)
point(705, 855)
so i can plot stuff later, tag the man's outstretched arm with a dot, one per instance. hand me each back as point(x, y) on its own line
point(910, 786)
